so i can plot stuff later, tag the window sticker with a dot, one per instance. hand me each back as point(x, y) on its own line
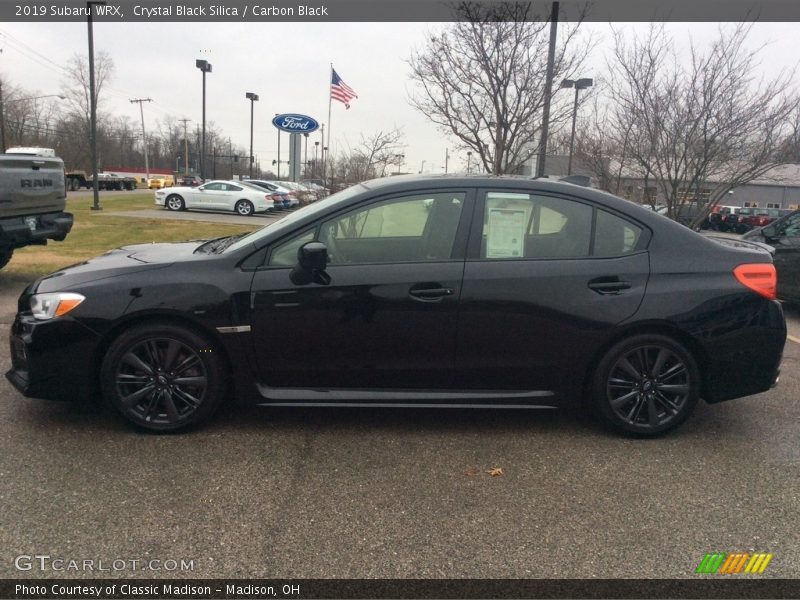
point(505, 236)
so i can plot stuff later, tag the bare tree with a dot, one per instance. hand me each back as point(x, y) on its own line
point(710, 121)
point(76, 90)
point(482, 80)
point(371, 158)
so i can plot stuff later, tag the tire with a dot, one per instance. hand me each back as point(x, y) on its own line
point(163, 377)
point(175, 202)
point(646, 385)
point(244, 208)
point(5, 256)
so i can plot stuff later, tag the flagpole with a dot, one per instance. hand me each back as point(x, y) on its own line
point(330, 98)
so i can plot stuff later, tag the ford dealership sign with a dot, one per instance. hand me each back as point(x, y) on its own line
point(295, 123)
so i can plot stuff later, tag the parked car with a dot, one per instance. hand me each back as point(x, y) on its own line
point(216, 195)
point(717, 216)
point(158, 182)
point(288, 197)
point(783, 235)
point(190, 181)
point(277, 198)
point(508, 292)
point(757, 217)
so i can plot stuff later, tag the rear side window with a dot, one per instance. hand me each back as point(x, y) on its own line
point(529, 226)
point(614, 236)
point(520, 225)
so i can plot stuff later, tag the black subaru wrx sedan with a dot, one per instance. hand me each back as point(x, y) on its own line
point(423, 291)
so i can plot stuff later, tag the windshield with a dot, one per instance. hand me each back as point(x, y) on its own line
point(289, 221)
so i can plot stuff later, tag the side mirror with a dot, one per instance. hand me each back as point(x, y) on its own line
point(769, 233)
point(312, 258)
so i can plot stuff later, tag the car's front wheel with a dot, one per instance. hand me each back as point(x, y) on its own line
point(646, 385)
point(163, 377)
point(244, 208)
point(175, 202)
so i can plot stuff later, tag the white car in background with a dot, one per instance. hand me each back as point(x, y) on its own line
point(235, 196)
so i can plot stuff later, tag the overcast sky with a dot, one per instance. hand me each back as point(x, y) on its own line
point(288, 65)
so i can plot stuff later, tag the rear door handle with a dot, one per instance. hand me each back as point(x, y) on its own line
point(608, 286)
point(430, 294)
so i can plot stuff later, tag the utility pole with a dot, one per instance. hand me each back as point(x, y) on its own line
point(93, 104)
point(446, 159)
point(185, 146)
point(548, 92)
point(141, 101)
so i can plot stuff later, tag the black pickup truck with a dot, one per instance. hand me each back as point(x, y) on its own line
point(32, 201)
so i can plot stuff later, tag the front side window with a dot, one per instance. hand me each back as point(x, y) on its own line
point(285, 254)
point(792, 227)
point(414, 228)
point(214, 187)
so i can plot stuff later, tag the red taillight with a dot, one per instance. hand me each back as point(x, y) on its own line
point(759, 277)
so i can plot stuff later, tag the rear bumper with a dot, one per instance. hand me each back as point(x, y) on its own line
point(16, 233)
point(747, 361)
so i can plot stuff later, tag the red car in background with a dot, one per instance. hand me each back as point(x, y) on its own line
point(746, 219)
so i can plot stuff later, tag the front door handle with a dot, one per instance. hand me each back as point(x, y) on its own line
point(429, 294)
point(608, 285)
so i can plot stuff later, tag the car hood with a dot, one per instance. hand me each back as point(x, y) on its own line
point(121, 261)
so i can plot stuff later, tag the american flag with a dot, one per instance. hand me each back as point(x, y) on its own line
point(340, 90)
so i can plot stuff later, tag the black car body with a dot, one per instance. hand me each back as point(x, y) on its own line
point(440, 291)
point(783, 235)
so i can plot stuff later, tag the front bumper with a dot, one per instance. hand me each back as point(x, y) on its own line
point(53, 360)
point(16, 233)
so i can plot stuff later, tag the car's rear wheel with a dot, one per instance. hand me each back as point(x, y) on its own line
point(244, 208)
point(646, 385)
point(163, 377)
point(175, 202)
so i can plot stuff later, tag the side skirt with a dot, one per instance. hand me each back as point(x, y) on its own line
point(406, 398)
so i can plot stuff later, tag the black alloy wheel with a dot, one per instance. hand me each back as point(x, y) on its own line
point(163, 377)
point(646, 385)
point(175, 202)
point(244, 208)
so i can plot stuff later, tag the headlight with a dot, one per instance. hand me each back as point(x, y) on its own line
point(49, 306)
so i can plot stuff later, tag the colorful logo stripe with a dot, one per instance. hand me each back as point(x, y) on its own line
point(727, 564)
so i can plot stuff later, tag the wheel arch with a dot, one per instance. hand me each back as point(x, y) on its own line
point(695, 349)
point(167, 318)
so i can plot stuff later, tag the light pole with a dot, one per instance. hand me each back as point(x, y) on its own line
point(399, 158)
point(253, 98)
point(316, 145)
point(3, 104)
point(578, 84)
point(469, 158)
point(305, 162)
point(205, 67)
point(422, 167)
point(279, 153)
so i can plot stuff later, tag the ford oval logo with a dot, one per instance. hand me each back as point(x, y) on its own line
point(295, 123)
